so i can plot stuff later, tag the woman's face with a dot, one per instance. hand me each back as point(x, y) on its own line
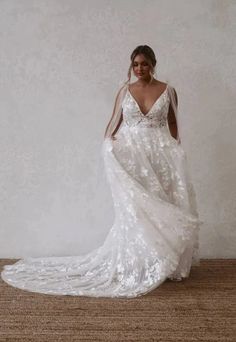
point(141, 67)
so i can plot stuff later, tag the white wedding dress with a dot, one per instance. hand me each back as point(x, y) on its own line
point(155, 234)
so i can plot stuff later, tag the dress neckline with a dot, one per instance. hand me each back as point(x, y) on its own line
point(145, 114)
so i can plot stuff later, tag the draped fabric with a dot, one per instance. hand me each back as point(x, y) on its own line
point(155, 233)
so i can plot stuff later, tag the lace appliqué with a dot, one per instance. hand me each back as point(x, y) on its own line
point(156, 117)
point(155, 231)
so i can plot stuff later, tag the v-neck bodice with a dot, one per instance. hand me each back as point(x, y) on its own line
point(155, 117)
point(152, 104)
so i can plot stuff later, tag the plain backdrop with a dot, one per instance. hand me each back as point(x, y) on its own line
point(61, 65)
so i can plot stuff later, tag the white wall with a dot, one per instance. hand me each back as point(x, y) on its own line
point(61, 63)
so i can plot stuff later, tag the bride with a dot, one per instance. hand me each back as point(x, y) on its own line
point(155, 233)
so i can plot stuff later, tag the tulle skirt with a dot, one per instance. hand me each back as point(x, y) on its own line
point(155, 233)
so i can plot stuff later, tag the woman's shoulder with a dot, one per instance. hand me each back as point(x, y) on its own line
point(121, 90)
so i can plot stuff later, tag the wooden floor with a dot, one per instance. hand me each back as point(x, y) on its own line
point(200, 308)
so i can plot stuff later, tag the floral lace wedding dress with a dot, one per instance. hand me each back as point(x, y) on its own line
point(156, 226)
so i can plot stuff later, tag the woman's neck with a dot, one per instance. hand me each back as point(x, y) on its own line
point(145, 82)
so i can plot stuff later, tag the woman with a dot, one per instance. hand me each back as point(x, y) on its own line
point(154, 236)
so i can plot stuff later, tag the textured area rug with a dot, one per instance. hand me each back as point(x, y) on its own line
point(199, 308)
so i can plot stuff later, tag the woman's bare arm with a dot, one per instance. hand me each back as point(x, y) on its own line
point(117, 127)
point(172, 119)
point(117, 101)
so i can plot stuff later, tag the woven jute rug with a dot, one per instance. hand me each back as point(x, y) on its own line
point(199, 308)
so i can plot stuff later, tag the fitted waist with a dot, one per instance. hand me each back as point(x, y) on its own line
point(146, 124)
point(146, 121)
